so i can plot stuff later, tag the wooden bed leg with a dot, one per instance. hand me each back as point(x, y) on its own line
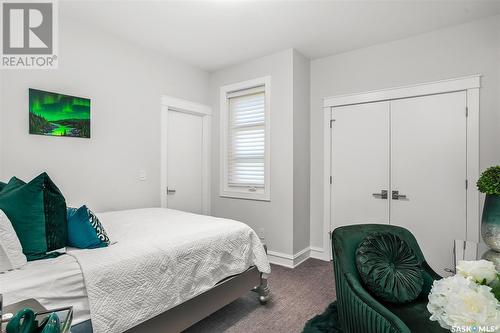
point(263, 290)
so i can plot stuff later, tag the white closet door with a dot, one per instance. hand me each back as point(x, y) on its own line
point(428, 142)
point(360, 164)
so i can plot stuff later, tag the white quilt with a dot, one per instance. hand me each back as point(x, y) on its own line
point(162, 258)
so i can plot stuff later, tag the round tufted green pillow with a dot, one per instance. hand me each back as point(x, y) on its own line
point(389, 268)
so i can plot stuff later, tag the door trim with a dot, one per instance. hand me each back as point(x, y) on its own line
point(469, 84)
point(169, 103)
point(421, 89)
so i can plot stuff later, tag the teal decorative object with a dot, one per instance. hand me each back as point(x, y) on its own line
point(84, 229)
point(489, 183)
point(490, 224)
point(22, 322)
point(25, 322)
point(51, 324)
point(37, 211)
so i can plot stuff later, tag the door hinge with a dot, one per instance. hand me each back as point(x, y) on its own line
point(331, 122)
point(466, 184)
point(331, 180)
point(466, 111)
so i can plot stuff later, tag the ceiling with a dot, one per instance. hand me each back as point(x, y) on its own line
point(216, 34)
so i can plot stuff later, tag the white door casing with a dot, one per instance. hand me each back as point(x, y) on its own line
point(428, 166)
point(185, 155)
point(469, 85)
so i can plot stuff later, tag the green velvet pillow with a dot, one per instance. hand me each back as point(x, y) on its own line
point(37, 211)
point(2, 185)
point(389, 268)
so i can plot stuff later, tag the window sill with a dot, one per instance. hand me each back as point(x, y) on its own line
point(262, 196)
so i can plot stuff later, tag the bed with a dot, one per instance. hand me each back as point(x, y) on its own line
point(167, 270)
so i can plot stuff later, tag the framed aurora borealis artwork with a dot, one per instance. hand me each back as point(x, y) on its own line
point(56, 114)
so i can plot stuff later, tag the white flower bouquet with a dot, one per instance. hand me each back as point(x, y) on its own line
point(468, 300)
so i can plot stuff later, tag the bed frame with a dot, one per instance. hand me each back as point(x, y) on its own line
point(190, 312)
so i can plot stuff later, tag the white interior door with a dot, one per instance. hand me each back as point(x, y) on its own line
point(428, 142)
point(360, 164)
point(184, 162)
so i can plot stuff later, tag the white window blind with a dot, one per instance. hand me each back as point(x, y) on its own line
point(246, 138)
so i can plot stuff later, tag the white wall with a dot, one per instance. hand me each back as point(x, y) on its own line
point(457, 51)
point(274, 217)
point(284, 220)
point(301, 146)
point(125, 83)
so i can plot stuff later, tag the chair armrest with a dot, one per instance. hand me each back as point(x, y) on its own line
point(432, 273)
point(396, 324)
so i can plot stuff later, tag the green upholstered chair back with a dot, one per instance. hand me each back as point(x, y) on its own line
point(345, 241)
point(359, 311)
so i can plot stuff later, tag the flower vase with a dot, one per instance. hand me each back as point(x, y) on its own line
point(490, 228)
point(490, 223)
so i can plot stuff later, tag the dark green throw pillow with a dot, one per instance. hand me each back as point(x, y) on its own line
point(389, 268)
point(37, 211)
point(2, 185)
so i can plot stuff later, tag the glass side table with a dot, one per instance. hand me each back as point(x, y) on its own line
point(65, 314)
point(468, 250)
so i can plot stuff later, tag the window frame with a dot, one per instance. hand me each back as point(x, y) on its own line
point(244, 192)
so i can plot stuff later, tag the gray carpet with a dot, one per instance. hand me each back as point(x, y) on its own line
point(297, 295)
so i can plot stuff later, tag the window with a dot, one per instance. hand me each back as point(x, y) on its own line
point(245, 140)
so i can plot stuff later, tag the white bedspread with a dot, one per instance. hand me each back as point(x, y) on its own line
point(55, 283)
point(162, 258)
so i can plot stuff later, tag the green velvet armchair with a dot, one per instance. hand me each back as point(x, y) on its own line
point(358, 310)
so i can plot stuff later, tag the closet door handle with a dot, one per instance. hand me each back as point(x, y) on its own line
point(397, 196)
point(381, 195)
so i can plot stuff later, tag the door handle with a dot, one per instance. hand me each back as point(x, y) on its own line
point(397, 196)
point(381, 195)
point(170, 191)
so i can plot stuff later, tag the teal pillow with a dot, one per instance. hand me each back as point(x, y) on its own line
point(2, 185)
point(389, 268)
point(85, 231)
point(37, 211)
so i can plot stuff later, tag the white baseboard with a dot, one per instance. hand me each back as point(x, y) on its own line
point(279, 258)
point(292, 261)
point(319, 253)
point(301, 256)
